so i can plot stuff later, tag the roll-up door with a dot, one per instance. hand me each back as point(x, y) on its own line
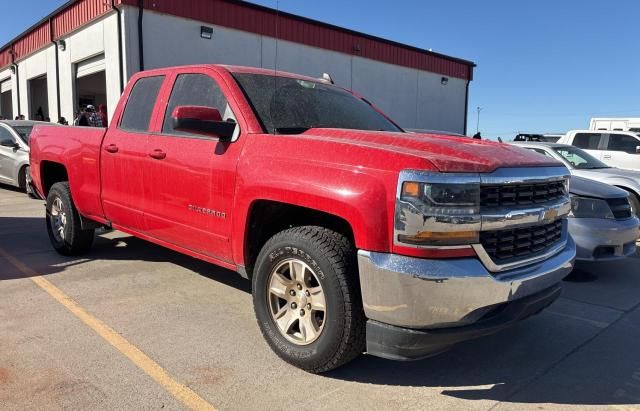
point(5, 86)
point(90, 66)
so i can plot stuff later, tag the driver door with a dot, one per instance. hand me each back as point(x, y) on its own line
point(190, 179)
point(621, 151)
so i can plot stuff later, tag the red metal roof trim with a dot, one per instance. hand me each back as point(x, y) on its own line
point(77, 14)
point(66, 19)
point(261, 20)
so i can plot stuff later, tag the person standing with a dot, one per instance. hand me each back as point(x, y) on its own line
point(102, 112)
point(93, 118)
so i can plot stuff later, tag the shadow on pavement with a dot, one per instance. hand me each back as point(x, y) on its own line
point(19, 234)
point(554, 357)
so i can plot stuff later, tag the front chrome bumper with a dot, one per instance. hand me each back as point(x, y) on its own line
point(423, 293)
point(599, 239)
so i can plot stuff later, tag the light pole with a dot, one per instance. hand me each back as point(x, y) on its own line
point(479, 109)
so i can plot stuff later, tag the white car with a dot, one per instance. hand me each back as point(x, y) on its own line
point(14, 152)
point(615, 148)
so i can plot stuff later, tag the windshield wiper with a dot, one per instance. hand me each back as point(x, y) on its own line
point(290, 130)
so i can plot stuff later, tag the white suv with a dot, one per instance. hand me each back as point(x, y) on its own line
point(615, 148)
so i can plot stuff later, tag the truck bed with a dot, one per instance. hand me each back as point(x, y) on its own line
point(78, 148)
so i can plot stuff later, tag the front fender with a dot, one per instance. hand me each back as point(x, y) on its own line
point(364, 199)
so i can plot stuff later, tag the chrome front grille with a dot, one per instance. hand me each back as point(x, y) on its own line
point(509, 195)
point(521, 243)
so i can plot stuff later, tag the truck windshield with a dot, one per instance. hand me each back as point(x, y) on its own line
point(287, 105)
point(580, 159)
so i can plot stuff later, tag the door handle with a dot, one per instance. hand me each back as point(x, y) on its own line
point(112, 148)
point(607, 156)
point(158, 154)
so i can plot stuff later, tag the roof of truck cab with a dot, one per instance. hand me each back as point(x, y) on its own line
point(268, 72)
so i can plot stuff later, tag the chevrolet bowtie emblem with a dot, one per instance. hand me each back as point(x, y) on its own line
point(548, 216)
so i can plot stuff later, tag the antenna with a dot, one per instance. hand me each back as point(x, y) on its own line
point(275, 68)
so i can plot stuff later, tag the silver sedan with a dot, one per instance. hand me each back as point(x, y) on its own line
point(14, 152)
point(583, 164)
point(601, 222)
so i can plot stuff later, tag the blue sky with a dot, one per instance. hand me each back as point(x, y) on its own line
point(543, 66)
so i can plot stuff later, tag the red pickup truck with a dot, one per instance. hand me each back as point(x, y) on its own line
point(357, 236)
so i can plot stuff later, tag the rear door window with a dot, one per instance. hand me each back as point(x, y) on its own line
point(588, 141)
point(623, 142)
point(142, 99)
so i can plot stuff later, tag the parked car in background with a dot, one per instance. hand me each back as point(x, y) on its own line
point(583, 164)
point(14, 152)
point(601, 222)
point(550, 138)
point(357, 236)
point(616, 124)
point(618, 149)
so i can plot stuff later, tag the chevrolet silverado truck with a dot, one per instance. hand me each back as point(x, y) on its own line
point(357, 236)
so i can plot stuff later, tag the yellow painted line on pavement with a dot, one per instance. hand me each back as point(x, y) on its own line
point(140, 359)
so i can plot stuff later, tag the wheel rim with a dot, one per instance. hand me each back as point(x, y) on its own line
point(27, 179)
point(58, 219)
point(296, 301)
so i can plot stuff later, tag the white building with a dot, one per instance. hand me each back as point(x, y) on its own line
point(84, 52)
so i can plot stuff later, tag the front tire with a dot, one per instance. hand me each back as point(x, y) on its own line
point(24, 177)
point(63, 223)
point(307, 299)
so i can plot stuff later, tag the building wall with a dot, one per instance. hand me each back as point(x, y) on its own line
point(414, 98)
point(97, 38)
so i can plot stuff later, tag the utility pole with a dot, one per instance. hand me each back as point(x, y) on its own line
point(479, 109)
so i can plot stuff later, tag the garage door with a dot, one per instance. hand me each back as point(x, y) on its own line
point(90, 66)
point(5, 86)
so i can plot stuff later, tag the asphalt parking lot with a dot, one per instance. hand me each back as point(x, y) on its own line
point(134, 326)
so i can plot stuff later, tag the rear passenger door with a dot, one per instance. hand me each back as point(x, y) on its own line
point(124, 156)
point(621, 151)
point(593, 143)
point(190, 179)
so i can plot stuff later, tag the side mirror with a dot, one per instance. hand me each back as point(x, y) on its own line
point(201, 120)
point(637, 149)
point(9, 143)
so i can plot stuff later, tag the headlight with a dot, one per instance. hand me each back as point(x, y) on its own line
point(451, 210)
point(584, 207)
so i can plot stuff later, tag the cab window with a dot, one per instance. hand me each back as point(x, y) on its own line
point(195, 90)
point(137, 112)
point(623, 142)
point(588, 141)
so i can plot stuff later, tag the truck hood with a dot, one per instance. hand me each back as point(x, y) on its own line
point(447, 153)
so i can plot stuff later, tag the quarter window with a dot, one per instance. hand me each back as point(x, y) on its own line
point(137, 112)
point(195, 90)
point(623, 142)
point(588, 141)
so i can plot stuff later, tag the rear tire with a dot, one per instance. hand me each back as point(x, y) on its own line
point(322, 325)
point(63, 223)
